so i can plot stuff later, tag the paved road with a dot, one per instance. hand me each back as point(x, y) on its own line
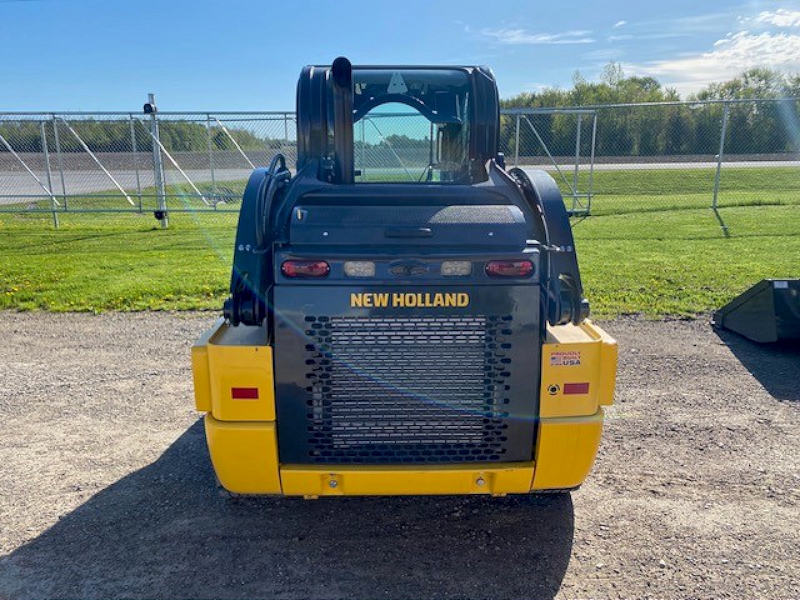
point(16, 185)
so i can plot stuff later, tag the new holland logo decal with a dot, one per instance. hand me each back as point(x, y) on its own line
point(409, 300)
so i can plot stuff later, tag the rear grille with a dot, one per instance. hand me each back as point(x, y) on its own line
point(399, 390)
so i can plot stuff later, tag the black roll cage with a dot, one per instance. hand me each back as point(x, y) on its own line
point(325, 111)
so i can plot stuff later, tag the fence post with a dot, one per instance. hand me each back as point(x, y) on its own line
point(60, 162)
point(516, 143)
point(590, 191)
point(363, 150)
point(211, 161)
point(725, 111)
point(136, 161)
point(577, 164)
point(158, 166)
point(46, 151)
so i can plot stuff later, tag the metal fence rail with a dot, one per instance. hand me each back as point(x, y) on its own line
point(606, 159)
point(126, 163)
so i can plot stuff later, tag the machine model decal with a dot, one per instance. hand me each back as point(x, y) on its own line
point(567, 358)
point(409, 300)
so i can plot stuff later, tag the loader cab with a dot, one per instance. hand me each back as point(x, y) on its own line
point(398, 124)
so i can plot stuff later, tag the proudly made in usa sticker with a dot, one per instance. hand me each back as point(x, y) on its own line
point(565, 358)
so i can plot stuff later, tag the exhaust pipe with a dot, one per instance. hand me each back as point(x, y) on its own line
point(342, 88)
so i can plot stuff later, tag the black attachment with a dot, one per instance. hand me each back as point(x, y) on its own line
point(767, 312)
point(564, 298)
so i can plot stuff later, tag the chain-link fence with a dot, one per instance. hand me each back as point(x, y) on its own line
point(663, 156)
point(100, 168)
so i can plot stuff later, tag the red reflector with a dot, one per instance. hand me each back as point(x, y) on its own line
point(305, 268)
point(509, 268)
point(576, 388)
point(244, 393)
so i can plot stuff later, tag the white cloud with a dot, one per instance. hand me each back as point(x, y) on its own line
point(521, 36)
point(780, 18)
point(620, 24)
point(704, 23)
point(536, 87)
point(728, 58)
point(602, 54)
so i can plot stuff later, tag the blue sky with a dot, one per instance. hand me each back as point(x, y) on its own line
point(245, 55)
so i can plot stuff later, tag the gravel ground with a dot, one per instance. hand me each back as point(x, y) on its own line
point(106, 490)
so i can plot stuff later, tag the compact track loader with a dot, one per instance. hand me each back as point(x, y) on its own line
point(411, 326)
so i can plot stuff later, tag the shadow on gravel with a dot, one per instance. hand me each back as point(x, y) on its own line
point(164, 531)
point(776, 366)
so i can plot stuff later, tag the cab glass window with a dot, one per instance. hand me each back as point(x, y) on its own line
point(411, 126)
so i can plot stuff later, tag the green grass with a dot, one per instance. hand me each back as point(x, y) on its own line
point(653, 190)
point(680, 263)
point(638, 255)
point(100, 263)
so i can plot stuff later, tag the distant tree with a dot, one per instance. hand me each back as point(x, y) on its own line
point(753, 128)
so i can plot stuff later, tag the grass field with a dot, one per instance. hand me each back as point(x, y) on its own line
point(639, 254)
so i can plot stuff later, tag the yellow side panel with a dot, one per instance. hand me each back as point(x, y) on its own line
point(579, 368)
point(299, 480)
point(232, 368)
point(241, 367)
point(202, 381)
point(244, 455)
point(565, 450)
point(608, 372)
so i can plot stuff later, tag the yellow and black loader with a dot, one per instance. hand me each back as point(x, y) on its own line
point(393, 331)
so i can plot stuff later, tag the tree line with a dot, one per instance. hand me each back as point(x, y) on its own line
point(115, 136)
point(693, 128)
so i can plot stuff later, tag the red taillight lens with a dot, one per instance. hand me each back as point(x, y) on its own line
point(244, 393)
point(305, 268)
point(509, 268)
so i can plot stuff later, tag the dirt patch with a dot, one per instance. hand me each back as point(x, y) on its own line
point(107, 491)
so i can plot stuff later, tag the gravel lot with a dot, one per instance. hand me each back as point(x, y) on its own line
point(106, 490)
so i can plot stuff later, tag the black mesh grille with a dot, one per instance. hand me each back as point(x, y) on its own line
point(392, 389)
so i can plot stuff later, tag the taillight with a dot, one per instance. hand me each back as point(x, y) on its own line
point(359, 268)
point(509, 268)
point(305, 268)
point(456, 268)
